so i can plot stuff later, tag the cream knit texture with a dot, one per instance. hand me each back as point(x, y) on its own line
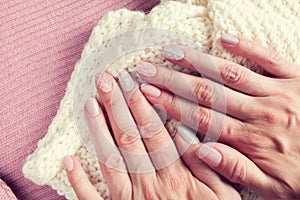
point(271, 23)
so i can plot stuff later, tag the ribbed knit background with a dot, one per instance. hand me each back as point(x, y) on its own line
point(40, 41)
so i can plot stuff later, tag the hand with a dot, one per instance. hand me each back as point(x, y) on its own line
point(144, 162)
point(258, 116)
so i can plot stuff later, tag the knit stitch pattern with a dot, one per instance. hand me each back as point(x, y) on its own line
point(274, 24)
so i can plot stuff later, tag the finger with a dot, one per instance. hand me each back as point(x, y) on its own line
point(234, 166)
point(124, 128)
point(156, 138)
point(269, 59)
point(209, 122)
point(187, 144)
point(79, 181)
point(110, 159)
point(222, 71)
point(196, 89)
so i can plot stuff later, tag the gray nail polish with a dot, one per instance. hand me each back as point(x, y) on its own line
point(173, 52)
point(188, 134)
point(229, 39)
point(125, 81)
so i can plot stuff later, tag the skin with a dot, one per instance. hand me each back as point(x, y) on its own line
point(259, 137)
point(118, 153)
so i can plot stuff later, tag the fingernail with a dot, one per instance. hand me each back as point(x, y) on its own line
point(104, 82)
point(125, 80)
point(209, 155)
point(92, 107)
point(188, 135)
point(146, 69)
point(68, 163)
point(229, 39)
point(150, 90)
point(173, 53)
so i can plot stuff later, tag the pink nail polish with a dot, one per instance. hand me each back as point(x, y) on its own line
point(92, 107)
point(68, 163)
point(146, 69)
point(150, 90)
point(104, 82)
point(209, 155)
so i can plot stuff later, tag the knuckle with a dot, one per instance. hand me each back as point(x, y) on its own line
point(150, 128)
point(286, 115)
point(145, 122)
point(114, 161)
point(129, 139)
point(135, 98)
point(229, 132)
point(232, 74)
point(172, 102)
point(273, 58)
point(291, 119)
point(249, 47)
point(269, 116)
point(156, 139)
point(238, 172)
point(267, 110)
point(202, 117)
point(203, 91)
point(167, 77)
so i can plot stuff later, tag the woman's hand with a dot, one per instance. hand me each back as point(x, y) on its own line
point(140, 160)
point(258, 116)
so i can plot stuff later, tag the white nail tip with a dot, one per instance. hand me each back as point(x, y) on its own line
point(173, 52)
point(188, 134)
point(125, 80)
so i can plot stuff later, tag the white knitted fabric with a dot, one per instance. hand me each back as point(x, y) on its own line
point(273, 23)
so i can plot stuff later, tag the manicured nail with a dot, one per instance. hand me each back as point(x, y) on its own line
point(229, 39)
point(150, 90)
point(146, 69)
point(173, 53)
point(209, 155)
point(104, 82)
point(92, 107)
point(188, 135)
point(125, 80)
point(68, 163)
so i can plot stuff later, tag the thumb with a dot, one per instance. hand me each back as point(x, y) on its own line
point(233, 165)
